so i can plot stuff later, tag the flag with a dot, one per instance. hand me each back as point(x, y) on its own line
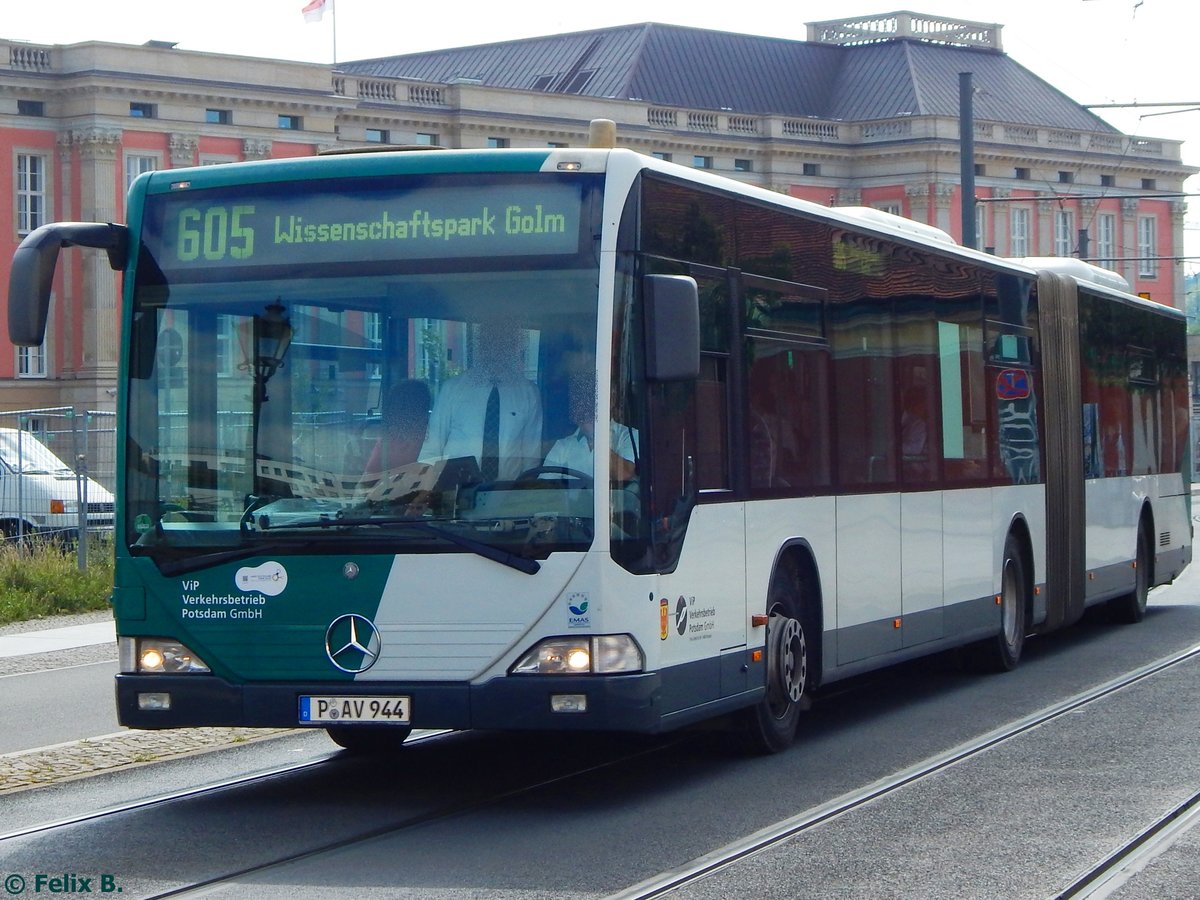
point(314, 10)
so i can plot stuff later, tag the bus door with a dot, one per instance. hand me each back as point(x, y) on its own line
point(869, 515)
point(919, 430)
point(704, 623)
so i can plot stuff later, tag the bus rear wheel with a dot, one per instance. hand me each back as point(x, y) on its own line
point(771, 723)
point(1131, 608)
point(1002, 652)
point(368, 739)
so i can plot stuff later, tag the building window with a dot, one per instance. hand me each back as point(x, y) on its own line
point(496, 143)
point(143, 110)
point(1064, 232)
point(891, 208)
point(31, 362)
point(702, 162)
point(373, 334)
point(378, 136)
point(31, 108)
point(1106, 239)
point(980, 226)
point(812, 169)
point(426, 139)
point(557, 145)
point(31, 192)
point(980, 170)
point(1021, 173)
point(579, 82)
point(743, 165)
point(228, 347)
point(1108, 181)
point(218, 116)
point(291, 123)
point(206, 160)
point(135, 165)
point(1066, 177)
point(1019, 240)
point(658, 154)
point(1147, 250)
point(1149, 184)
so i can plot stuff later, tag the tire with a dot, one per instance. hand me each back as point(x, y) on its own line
point(1002, 652)
point(368, 739)
point(1130, 608)
point(770, 725)
point(11, 529)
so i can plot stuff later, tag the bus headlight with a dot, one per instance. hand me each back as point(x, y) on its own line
point(157, 656)
point(603, 654)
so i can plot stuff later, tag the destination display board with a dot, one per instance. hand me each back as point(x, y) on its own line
point(295, 224)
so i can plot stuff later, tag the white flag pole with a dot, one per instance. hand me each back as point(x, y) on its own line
point(333, 18)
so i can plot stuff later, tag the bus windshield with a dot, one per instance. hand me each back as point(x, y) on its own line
point(376, 365)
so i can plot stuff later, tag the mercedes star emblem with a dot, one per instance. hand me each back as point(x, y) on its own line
point(352, 643)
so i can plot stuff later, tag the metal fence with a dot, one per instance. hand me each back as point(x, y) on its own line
point(39, 498)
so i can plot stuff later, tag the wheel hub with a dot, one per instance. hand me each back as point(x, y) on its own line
point(787, 659)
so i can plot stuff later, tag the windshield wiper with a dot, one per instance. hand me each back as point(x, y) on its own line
point(183, 565)
point(487, 551)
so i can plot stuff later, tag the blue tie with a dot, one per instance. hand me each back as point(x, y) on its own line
point(490, 463)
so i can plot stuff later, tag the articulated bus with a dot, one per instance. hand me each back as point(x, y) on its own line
point(829, 440)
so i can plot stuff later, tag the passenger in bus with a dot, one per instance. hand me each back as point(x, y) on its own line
point(405, 420)
point(916, 460)
point(491, 411)
point(576, 450)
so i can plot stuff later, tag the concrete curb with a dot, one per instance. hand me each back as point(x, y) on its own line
point(43, 766)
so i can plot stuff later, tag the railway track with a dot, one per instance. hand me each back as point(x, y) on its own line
point(527, 789)
point(1123, 860)
point(1116, 869)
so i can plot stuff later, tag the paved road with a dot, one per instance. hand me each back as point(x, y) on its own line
point(57, 705)
point(56, 681)
point(1018, 822)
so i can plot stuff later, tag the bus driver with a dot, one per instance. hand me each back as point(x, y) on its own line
point(575, 450)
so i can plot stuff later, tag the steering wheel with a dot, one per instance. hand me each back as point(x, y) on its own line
point(536, 472)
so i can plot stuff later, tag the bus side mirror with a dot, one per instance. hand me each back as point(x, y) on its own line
point(32, 275)
point(672, 327)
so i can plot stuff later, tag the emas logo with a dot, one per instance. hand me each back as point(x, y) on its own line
point(577, 606)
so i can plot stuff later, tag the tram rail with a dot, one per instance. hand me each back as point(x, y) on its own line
point(1095, 881)
point(1108, 875)
point(777, 834)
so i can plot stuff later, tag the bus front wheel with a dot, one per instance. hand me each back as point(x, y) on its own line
point(771, 725)
point(368, 739)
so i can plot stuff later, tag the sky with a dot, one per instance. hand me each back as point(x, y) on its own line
point(1095, 51)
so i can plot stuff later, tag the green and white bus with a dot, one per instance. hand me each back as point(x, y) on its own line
point(829, 440)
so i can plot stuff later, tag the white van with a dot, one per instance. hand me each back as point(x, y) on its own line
point(40, 494)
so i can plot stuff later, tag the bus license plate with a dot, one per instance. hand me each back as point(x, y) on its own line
point(318, 710)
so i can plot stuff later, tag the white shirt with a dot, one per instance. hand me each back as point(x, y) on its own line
point(456, 423)
point(573, 451)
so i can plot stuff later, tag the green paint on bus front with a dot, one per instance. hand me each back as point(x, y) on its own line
point(247, 634)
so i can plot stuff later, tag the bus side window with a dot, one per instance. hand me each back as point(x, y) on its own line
point(964, 410)
point(788, 416)
point(917, 391)
point(864, 407)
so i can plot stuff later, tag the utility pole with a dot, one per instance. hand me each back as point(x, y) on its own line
point(966, 141)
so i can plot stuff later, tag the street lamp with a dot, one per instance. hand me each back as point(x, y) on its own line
point(264, 340)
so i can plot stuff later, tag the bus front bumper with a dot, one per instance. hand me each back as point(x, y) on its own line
point(613, 703)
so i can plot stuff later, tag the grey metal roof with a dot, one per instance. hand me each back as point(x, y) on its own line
point(672, 65)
